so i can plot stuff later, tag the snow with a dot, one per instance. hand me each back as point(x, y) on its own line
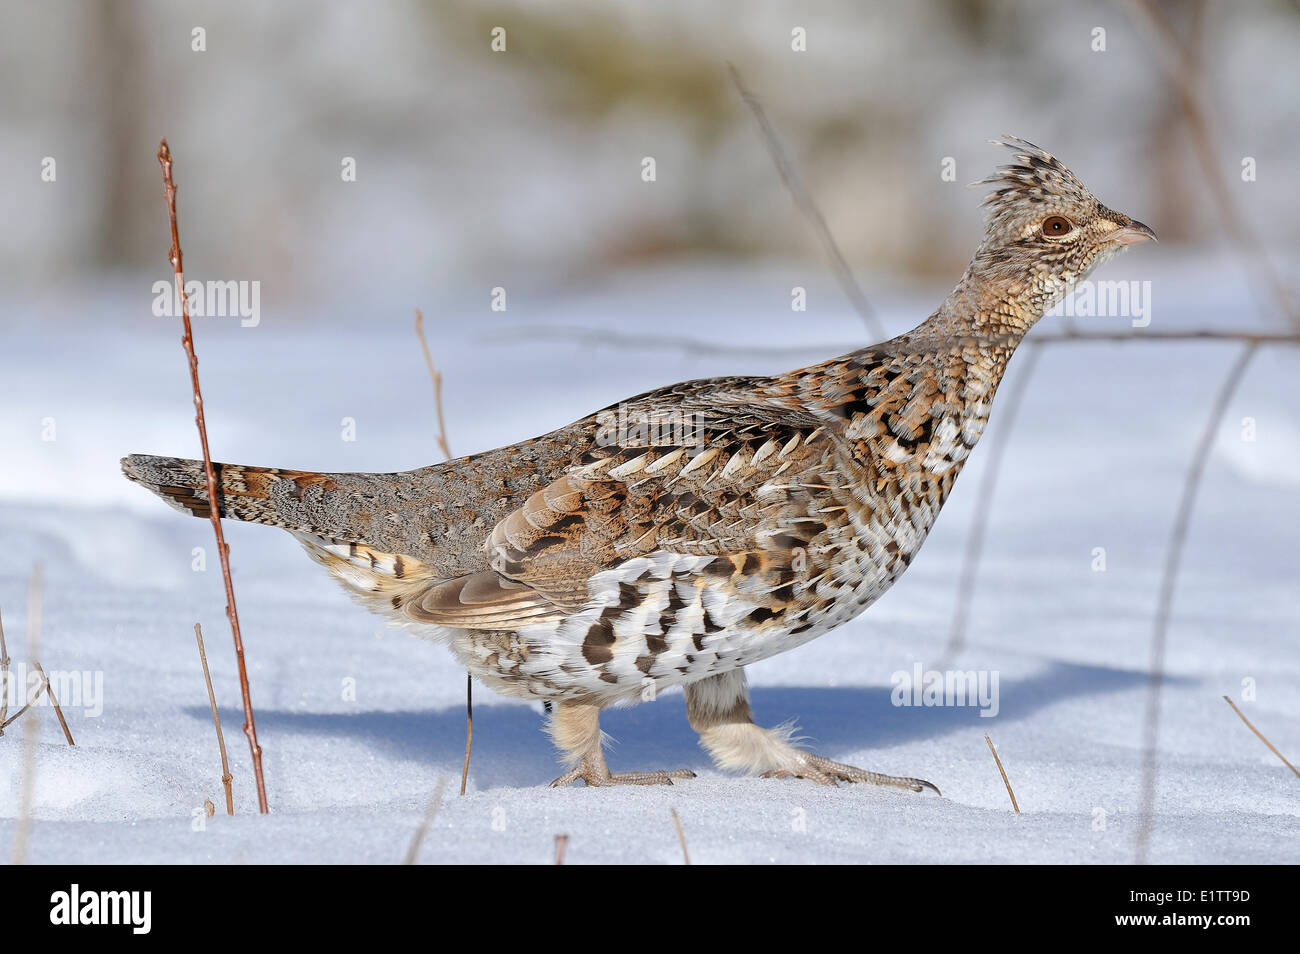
point(1096, 460)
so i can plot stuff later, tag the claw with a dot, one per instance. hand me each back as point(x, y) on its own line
point(595, 778)
point(822, 770)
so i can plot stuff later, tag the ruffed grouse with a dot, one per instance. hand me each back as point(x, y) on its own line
point(682, 534)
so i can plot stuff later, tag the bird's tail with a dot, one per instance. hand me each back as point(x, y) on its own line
point(280, 498)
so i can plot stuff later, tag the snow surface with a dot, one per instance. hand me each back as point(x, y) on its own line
point(1096, 460)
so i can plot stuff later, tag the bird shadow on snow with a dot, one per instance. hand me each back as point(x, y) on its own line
point(510, 748)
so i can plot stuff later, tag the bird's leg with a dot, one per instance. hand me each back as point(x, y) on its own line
point(575, 728)
point(718, 708)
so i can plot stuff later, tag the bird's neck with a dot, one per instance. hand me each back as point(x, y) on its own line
point(986, 304)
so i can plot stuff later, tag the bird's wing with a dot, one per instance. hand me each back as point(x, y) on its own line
point(741, 486)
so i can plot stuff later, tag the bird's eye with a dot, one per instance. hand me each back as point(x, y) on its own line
point(1056, 225)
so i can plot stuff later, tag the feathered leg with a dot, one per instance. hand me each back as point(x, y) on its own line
point(718, 708)
point(575, 728)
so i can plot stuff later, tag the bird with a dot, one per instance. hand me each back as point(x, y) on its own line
point(678, 536)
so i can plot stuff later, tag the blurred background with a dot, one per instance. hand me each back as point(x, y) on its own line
point(521, 170)
point(472, 163)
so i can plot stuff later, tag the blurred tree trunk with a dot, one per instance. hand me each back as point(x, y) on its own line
point(116, 67)
point(1175, 168)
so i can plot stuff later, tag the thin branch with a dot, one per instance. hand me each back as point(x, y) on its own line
point(35, 593)
point(1005, 781)
point(804, 200)
point(984, 503)
point(214, 496)
point(445, 447)
point(681, 837)
point(561, 842)
point(436, 376)
point(684, 344)
point(1271, 747)
point(226, 777)
point(435, 802)
point(1173, 559)
point(58, 711)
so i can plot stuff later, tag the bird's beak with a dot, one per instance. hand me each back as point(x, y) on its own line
point(1132, 233)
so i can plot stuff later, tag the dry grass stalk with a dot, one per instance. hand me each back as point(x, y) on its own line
point(804, 200)
point(469, 730)
point(561, 842)
point(35, 588)
point(681, 837)
point(435, 803)
point(226, 777)
point(214, 495)
point(1005, 781)
point(445, 447)
point(1271, 747)
point(58, 710)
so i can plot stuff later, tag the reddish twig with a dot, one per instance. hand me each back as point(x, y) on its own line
point(561, 842)
point(226, 777)
point(214, 496)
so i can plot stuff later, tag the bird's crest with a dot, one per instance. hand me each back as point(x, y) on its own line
point(1035, 178)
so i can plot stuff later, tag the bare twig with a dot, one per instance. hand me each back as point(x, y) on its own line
point(561, 842)
point(984, 502)
point(436, 375)
point(445, 447)
point(58, 710)
point(226, 777)
point(1173, 559)
point(681, 837)
point(1271, 747)
point(214, 495)
point(35, 587)
point(435, 802)
point(804, 199)
point(1005, 781)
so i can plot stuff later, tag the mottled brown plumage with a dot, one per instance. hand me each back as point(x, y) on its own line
point(683, 534)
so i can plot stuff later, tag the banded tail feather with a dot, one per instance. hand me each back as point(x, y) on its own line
point(266, 495)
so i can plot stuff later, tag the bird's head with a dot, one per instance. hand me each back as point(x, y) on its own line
point(1045, 230)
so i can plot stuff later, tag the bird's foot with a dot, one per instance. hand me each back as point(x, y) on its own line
point(600, 776)
point(824, 771)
